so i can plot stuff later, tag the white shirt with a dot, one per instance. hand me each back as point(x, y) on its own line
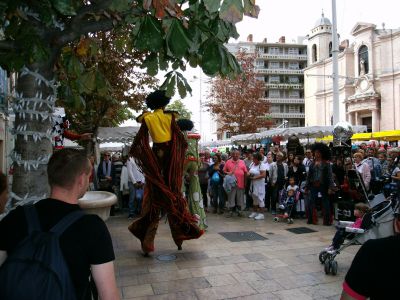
point(134, 174)
point(307, 162)
point(258, 185)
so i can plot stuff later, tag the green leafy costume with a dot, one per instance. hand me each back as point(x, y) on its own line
point(191, 167)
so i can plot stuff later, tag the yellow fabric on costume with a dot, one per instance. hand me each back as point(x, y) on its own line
point(159, 125)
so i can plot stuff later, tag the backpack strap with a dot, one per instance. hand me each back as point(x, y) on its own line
point(67, 221)
point(32, 218)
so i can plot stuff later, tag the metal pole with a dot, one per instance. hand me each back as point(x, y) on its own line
point(335, 77)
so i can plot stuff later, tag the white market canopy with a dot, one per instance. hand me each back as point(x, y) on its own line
point(217, 143)
point(117, 134)
point(300, 132)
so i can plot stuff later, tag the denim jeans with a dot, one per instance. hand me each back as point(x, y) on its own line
point(135, 203)
point(218, 197)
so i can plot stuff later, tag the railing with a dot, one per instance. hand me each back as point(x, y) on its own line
point(297, 86)
point(286, 115)
point(283, 56)
point(284, 100)
point(279, 71)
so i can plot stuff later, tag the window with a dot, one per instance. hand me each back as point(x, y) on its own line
point(294, 94)
point(363, 62)
point(293, 51)
point(228, 135)
point(273, 50)
point(293, 65)
point(259, 63)
point(274, 93)
point(274, 109)
point(330, 49)
point(314, 53)
point(293, 109)
point(274, 79)
point(274, 65)
point(293, 79)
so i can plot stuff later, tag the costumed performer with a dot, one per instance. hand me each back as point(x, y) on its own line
point(61, 129)
point(190, 168)
point(162, 166)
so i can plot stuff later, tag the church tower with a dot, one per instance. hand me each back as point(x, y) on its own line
point(320, 41)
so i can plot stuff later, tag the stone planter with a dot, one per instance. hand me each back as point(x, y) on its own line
point(98, 203)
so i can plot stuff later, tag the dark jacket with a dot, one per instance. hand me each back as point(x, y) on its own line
point(326, 179)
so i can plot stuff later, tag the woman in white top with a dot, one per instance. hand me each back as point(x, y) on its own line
point(257, 186)
point(362, 168)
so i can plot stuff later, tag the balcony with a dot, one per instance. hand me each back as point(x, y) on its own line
point(276, 115)
point(302, 57)
point(279, 71)
point(295, 86)
point(284, 100)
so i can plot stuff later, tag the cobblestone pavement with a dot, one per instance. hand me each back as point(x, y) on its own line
point(283, 266)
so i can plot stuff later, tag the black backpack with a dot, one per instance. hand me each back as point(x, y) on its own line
point(37, 268)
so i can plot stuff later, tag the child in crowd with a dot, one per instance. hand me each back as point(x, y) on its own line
point(291, 191)
point(360, 210)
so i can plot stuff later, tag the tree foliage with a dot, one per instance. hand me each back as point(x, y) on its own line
point(37, 35)
point(237, 103)
point(179, 107)
point(174, 32)
point(110, 84)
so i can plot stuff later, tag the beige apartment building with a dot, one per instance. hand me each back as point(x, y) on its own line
point(369, 83)
point(280, 66)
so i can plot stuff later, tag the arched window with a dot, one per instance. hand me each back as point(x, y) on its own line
point(363, 62)
point(330, 49)
point(314, 53)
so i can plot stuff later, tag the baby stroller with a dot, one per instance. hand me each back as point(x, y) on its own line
point(378, 223)
point(287, 205)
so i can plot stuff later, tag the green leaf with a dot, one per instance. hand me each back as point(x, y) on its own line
point(231, 11)
point(178, 41)
point(181, 88)
point(101, 84)
point(74, 66)
point(87, 82)
point(184, 81)
point(150, 35)
point(210, 57)
point(120, 5)
point(163, 61)
point(212, 5)
point(193, 61)
point(170, 91)
point(176, 64)
point(64, 7)
point(151, 64)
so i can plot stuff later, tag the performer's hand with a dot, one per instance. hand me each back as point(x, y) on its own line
point(86, 136)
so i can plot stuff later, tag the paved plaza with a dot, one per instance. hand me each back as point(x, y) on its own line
point(282, 266)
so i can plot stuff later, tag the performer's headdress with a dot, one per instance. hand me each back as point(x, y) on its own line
point(157, 99)
point(185, 124)
point(323, 149)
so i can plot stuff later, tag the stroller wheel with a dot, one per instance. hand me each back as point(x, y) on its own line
point(276, 219)
point(327, 267)
point(323, 255)
point(334, 266)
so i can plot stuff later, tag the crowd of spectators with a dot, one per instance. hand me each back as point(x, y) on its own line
point(317, 175)
point(257, 180)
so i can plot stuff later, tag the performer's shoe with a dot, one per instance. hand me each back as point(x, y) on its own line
point(180, 247)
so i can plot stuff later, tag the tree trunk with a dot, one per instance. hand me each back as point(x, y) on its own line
point(32, 121)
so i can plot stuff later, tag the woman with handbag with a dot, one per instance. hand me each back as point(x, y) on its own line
point(235, 170)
